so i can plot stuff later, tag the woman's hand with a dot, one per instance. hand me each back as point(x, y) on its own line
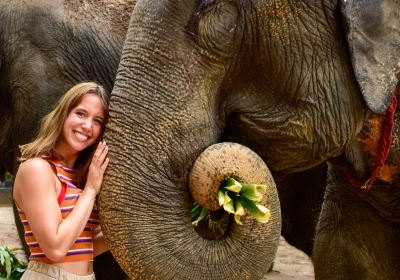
point(97, 168)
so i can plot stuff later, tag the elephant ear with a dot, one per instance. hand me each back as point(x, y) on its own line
point(373, 34)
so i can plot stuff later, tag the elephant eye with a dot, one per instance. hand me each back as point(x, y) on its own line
point(204, 5)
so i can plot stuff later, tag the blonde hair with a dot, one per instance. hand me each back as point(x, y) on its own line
point(52, 124)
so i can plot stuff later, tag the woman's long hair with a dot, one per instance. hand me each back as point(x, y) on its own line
point(52, 124)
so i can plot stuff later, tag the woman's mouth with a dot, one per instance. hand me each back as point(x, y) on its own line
point(82, 137)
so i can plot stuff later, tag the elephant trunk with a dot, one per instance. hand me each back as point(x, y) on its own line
point(157, 128)
point(159, 124)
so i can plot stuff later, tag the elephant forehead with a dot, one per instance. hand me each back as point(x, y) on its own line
point(117, 12)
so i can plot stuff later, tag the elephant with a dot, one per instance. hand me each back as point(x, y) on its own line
point(307, 85)
point(47, 46)
point(363, 184)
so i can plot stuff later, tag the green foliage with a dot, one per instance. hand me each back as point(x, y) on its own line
point(236, 198)
point(10, 266)
point(198, 212)
point(8, 176)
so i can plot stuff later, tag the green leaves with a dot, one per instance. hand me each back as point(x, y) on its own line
point(232, 185)
point(228, 204)
point(258, 211)
point(200, 212)
point(240, 211)
point(10, 266)
point(244, 197)
point(236, 198)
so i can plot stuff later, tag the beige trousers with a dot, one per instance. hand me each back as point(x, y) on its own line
point(44, 271)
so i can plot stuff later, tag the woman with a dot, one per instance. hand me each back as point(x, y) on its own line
point(55, 188)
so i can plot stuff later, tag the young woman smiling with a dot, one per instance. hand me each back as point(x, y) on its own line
point(56, 185)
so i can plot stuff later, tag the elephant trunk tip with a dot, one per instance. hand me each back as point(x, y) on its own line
point(219, 162)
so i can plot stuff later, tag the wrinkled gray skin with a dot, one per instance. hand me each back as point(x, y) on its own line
point(45, 48)
point(276, 76)
point(358, 238)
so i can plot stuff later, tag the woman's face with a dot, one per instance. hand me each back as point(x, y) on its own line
point(83, 124)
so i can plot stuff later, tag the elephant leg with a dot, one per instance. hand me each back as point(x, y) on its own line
point(352, 240)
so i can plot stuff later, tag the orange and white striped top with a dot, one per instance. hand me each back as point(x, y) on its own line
point(82, 249)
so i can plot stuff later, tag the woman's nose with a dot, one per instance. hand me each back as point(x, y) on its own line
point(87, 124)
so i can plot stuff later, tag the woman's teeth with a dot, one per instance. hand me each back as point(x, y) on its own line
point(81, 136)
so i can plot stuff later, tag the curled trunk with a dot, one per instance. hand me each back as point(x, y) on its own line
point(152, 237)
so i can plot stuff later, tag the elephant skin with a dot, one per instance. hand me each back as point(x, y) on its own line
point(279, 77)
point(48, 46)
point(359, 227)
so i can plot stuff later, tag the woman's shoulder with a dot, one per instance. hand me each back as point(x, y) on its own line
point(33, 176)
point(37, 166)
point(34, 164)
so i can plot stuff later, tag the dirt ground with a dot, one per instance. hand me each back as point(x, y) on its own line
point(290, 263)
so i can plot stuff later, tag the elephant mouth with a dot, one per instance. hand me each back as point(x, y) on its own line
point(215, 225)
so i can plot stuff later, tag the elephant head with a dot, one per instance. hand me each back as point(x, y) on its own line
point(275, 76)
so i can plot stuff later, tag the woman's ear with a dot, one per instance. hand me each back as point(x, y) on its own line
point(373, 34)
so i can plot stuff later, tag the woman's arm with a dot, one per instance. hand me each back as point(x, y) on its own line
point(35, 194)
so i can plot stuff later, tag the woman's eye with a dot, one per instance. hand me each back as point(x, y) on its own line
point(99, 122)
point(80, 114)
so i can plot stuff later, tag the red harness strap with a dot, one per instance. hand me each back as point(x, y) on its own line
point(385, 143)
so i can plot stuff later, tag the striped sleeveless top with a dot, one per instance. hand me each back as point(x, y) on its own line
point(82, 249)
